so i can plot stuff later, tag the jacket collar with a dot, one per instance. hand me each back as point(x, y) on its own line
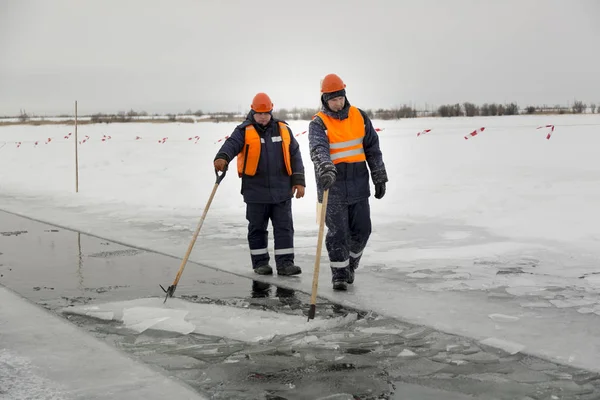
point(341, 115)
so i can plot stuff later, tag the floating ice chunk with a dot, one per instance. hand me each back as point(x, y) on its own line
point(536, 304)
point(305, 340)
point(503, 318)
point(381, 330)
point(559, 375)
point(95, 312)
point(140, 319)
point(585, 310)
point(573, 302)
point(407, 353)
point(509, 347)
point(177, 315)
point(418, 275)
point(458, 276)
point(105, 315)
point(525, 290)
point(335, 337)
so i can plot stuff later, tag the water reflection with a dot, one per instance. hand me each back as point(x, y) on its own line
point(260, 290)
point(284, 293)
point(79, 262)
point(263, 290)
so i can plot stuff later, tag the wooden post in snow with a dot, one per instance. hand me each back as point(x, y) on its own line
point(76, 154)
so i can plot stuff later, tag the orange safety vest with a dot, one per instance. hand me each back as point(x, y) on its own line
point(345, 136)
point(247, 160)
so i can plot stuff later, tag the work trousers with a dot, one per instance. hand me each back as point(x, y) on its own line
point(280, 215)
point(348, 231)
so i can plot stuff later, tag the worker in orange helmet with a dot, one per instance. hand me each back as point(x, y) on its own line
point(344, 148)
point(270, 166)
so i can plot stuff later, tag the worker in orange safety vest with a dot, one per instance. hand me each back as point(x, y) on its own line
point(270, 166)
point(344, 149)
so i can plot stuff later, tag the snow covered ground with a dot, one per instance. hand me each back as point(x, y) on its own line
point(494, 237)
point(41, 364)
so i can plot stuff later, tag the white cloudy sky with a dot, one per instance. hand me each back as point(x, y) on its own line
point(170, 56)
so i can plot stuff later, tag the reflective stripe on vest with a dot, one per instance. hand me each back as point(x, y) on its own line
point(345, 136)
point(247, 160)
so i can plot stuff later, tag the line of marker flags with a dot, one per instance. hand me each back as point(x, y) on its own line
point(479, 130)
point(195, 139)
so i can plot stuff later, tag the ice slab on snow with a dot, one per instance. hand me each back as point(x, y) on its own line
point(185, 317)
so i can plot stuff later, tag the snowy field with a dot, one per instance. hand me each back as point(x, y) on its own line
point(495, 237)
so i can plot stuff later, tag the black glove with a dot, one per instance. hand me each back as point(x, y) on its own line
point(379, 190)
point(327, 179)
point(328, 175)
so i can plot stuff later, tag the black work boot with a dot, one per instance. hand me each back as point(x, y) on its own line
point(340, 274)
point(289, 269)
point(339, 278)
point(264, 269)
point(340, 285)
point(350, 279)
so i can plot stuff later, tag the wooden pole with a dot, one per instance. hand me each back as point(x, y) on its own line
point(76, 154)
point(315, 284)
point(171, 289)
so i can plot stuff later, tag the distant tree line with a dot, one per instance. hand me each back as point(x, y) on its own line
point(472, 110)
point(303, 114)
point(121, 116)
point(134, 116)
point(466, 109)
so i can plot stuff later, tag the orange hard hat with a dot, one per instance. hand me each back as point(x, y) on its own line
point(261, 103)
point(332, 83)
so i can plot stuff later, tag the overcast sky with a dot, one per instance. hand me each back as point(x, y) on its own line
point(170, 56)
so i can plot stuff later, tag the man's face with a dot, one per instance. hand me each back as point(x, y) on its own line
point(262, 118)
point(337, 103)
